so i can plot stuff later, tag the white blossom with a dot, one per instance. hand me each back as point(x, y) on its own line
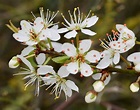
point(41, 29)
point(80, 57)
point(126, 36)
point(120, 42)
point(30, 33)
point(57, 79)
point(78, 22)
point(50, 28)
point(110, 57)
point(31, 72)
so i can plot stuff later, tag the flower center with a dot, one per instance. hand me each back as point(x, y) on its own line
point(80, 58)
point(33, 36)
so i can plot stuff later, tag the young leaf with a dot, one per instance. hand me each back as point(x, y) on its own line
point(61, 59)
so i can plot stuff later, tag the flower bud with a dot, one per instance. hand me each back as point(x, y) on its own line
point(137, 67)
point(134, 87)
point(14, 63)
point(98, 86)
point(90, 97)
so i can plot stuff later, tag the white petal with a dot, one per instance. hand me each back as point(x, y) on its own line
point(63, 72)
point(105, 53)
point(26, 26)
point(40, 59)
point(116, 44)
point(128, 45)
point(116, 58)
point(85, 69)
point(72, 85)
point(43, 70)
point(21, 36)
point(84, 45)
point(50, 33)
point(67, 90)
point(26, 62)
point(62, 30)
point(38, 25)
point(84, 23)
point(107, 80)
point(134, 57)
point(31, 42)
point(70, 34)
point(73, 67)
point(55, 27)
point(54, 35)
point(97, 76)
point(93, 56)
point(120, 27)
point(88, 32)
point(57, 46)
point(126, 34)
point(91, 21)
point(129, 33)
point(49, 80)
point(104, 63)
point(69, 49)
point(27, 50)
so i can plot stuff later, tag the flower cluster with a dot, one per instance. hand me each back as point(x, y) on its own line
point(76, 57)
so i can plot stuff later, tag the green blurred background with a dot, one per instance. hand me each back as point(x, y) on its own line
point(116, 95)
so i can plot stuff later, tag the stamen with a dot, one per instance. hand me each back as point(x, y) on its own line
point(79, 15)
point(42, 13)
point(65, 19)
point(65, 25)
point(71, 18)
point(33, 14)
point(53, 16)
point(74, 13)
point(81, 18)
point(103, 44)
point(88, 14)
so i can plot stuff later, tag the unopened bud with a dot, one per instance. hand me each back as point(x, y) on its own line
point(98, 86)
point(14, 63)
point(90, 97)
point(134, 87)
point(137, 67)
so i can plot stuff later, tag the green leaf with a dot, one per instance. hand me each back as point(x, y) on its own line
point(61, 59)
